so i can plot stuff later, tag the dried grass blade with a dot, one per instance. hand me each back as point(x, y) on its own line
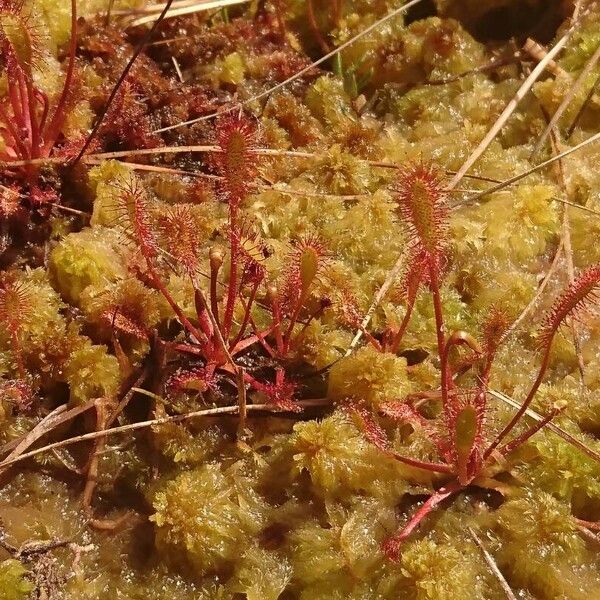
point(508, 111)
point(495, 188)
point(383, 290)
point(54, 419)
point(489, 559)
point(538, 294)
point(223, 410)
point(187, 9)
point(567, 100)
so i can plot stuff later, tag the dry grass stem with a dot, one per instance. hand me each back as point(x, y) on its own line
point(489, 559)
point(567, 100)
point(180, 9)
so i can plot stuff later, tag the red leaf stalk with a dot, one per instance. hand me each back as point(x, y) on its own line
point(237, 163)
point(27, 131)
point(582, 292)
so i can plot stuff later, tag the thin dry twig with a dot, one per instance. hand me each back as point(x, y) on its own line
point(177, 69)
point(182, 9)
point(53, 420)
point(578, 206)
point(73, 211)
point(210, 412)
point(43, 427)
point(582, 108)
point(510, 108)
point(91, 481)
point(504, 184)
point(538, 294)
point(383, 290)
point(537, 52)
point(567, 100)
point(491, 66)
point(161, 169)
point(489, 559)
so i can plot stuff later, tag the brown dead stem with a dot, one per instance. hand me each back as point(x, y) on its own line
point(489, 559)
point(210, 412)
point(102, 406)
point(179, 9)
point(48, 424)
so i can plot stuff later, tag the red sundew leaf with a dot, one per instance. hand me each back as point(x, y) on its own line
point(237, 162)
point(71, 147)
point(118, 319)
point(17, 392)
point(16, 300)
point(40, 197)
point(422, 205)
point(305, 266)
point(198, 379)
point(461, 401)
point(281, 393)
point(416, 274)
point(180, 236)
point(572, 302)
point(22, 38)
point(372, 430)
point(405, 413)
point(347, 306)
point(252, 252)
point(401, 411)
point(495, 326)
point(132, 212)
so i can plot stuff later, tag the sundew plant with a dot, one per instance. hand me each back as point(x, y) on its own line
point(299, 300)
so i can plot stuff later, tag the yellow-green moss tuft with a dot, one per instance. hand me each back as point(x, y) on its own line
point(369, 376)
point(13, 582)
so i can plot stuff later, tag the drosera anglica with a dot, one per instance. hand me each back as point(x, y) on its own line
point(317, 496)
point(462, 442)
point(31, 122)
